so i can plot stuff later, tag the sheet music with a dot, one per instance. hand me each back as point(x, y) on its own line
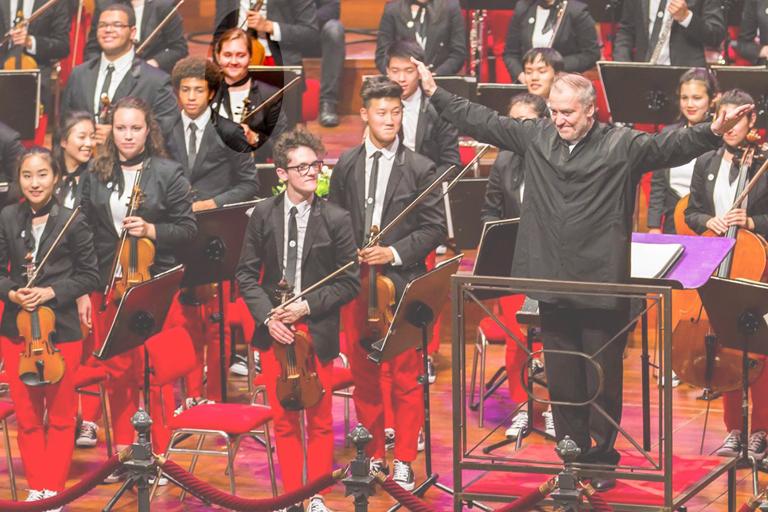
point(652, 261)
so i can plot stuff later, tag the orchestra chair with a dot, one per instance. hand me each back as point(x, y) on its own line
point(6, 411)
point(489, 333)
point(172, 357)
point(89, 376)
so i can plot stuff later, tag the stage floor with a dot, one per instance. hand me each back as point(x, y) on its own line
point(251, 470)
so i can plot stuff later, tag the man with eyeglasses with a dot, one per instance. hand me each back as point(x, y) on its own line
point(299, 238)
point(117, 73)
point(375, 182)
point(46, 39)
point(166, 49)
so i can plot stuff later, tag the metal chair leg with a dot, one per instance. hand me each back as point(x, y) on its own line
point(193, 463)
point(9, 460)
point(346, 418)
point(481, 385)
point(270, 462)
point(472, 379)
point(105, 415)
point(230, 466)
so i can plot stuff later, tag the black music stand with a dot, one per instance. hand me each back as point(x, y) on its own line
point(638, 92)
point(491, 5)
point(495, 252)
point(212, 258)
point(140, 315)
point(737, 312)
point(463, 86)
point(498, 96)
point(753, 80)
point(466, 198)
point(279, 76)
point(21, 114)
point(419, 306)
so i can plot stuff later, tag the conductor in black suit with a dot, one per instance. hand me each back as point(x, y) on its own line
point(218, 174)
point(436, 25)
point(533, 26)
point(165, 50)
point(575, 225)
point(696, 24)
point(46, 39)
point(118, 73)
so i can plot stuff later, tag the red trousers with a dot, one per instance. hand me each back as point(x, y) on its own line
point(45, 453)
point(732, 405)
point(197, 321)
point(514, 357)
point(319, 427)
point(124, 385)
point(407, 398)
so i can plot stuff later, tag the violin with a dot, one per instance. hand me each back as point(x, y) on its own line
point(258, 53)
point(40, 363)
point(380, 293)
point(709, 365)
point(18, 58)
point(298, 386)
point(105, 110)
point(135, 255)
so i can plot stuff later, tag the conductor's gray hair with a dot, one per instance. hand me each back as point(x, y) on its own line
point(582, 86)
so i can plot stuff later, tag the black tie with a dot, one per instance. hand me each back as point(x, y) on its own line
point(293, 244)
point(420, 26)
point(107, 80)
point(192, 147)
point(657, 24)
point(370, 200)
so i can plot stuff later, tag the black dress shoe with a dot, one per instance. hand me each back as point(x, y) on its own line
point(603, 484)
point(328, 116)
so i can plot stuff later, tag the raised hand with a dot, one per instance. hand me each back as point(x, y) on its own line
point(725, 121)
point(428, 84)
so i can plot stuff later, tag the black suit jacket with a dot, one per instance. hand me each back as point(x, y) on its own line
point(71, 270)
point(686, 45)
point(10, 151)
point(420, 231)
point(661, 205)
point(170, 45)
point(143, 81)
point(51, 31)
point(219, 173)
point(576, 38)
point(701, 205)
point(446, 49)
point(754, 23)
point(436, 138)
point(298, 26)
point(328, 245)
point(502, 194)
point(167, 203)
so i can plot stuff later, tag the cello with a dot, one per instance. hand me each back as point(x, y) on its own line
point(134, 255)
point(298, 386)
point(40, 363)
point(708, 365)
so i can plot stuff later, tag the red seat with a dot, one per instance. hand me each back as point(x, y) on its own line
point(234, 419)
point(89, 376)
point(6, 410)
point(492, 330)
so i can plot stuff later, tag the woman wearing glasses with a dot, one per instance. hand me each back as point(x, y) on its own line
point(300, 238)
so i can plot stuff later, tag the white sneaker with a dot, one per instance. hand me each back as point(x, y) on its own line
point(403, 475)
point(431, 370)
point(51, 494)
point(420, 441)
point(87, 437)
point(389, 439)
point(239, 368)
point(190, 402)
point(317, 504)
point(549, 423)
point(161, 483)
point(35, 495)
point(519, 425)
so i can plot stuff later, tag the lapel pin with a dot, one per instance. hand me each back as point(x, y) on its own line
point(711, 177)
point(409, 24)
point(531, 20)
point(110, 185)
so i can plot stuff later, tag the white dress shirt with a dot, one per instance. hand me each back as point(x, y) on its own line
point(200, 123)
point(653, 8)
point(236, 99)
point(724, 192)
point(680, 178)
point(302, 219)
point(138, 9)
point(421, 40)
point(37, 233)
point(539, 39)
point(27, 9)
point(386, 161)
point(411, 108)
point(118, 203)
point(122, 66)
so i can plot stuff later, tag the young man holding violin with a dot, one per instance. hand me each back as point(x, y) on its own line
point(375, 182)
point(293, 241)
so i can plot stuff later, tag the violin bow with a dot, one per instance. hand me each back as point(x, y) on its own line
point(375, 239)
point(749, 186)
point(158, 28)
point(269, 100)
point(78, 23)
point(32, 17)
point(53, 246)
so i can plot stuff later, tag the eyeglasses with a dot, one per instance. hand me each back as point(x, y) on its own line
point(303, 169)
point(116, 26)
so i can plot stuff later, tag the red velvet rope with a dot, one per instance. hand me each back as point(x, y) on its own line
point(528, 501)
point(594, 498)
point(213, 495)
point(87, 483)
point(405, 498)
